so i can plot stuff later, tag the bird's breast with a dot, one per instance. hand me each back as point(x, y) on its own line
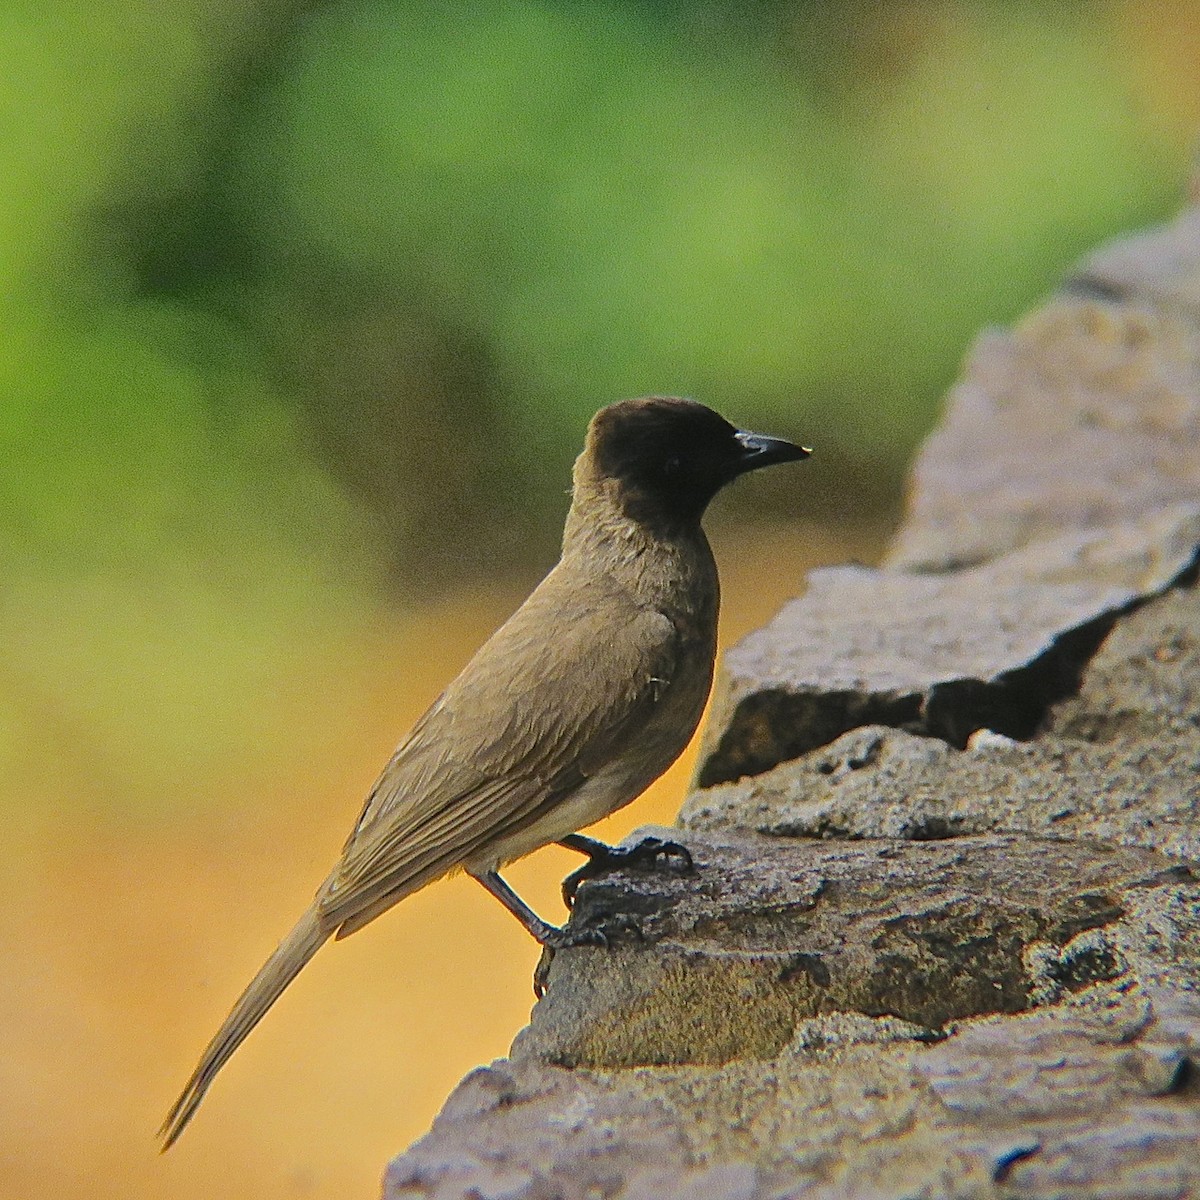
point(649, 751)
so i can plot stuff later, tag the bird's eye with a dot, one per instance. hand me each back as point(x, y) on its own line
point(672, 465)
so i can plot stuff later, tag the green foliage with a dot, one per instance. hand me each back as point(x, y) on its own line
point(618, 207)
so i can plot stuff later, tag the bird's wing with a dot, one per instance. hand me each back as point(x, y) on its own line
point(546, 702)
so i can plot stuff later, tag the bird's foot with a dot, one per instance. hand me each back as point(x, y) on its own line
point(652, 852)
point(601, 933)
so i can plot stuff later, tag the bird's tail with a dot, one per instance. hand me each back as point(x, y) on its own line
point(264, 989)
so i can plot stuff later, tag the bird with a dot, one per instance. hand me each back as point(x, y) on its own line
point(568, 712)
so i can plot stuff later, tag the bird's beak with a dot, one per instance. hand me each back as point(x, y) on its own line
point(758, 450)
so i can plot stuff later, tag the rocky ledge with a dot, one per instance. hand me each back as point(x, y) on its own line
point(943, 936)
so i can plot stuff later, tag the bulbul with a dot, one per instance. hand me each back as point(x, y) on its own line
point(588, 692)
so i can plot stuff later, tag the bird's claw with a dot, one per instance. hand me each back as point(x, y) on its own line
point(600, 934)
point(566, 937)
point(660, 851)
point(650, 851)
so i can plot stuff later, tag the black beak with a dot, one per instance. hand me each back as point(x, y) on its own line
point(759, 450)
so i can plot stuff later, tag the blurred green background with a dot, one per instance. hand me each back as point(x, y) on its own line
point(303, 309)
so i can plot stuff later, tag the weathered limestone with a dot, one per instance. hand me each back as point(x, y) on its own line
point(943, 938)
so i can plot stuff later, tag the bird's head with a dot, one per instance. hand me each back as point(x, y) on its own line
point(664, 458)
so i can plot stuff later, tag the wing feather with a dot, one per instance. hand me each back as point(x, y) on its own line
point(547, 701)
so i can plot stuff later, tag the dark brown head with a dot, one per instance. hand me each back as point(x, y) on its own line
point(668, 457)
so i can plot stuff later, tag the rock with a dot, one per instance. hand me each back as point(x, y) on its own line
point(733, 962)
point(943, 937)
point(1085, 415)
point(828, 663)
point(1118, 761)
point(1096, 1096)
point(1160, 268)
point(501, 1137)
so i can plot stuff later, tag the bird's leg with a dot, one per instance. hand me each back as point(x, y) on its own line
point(650, 851)
point(541, 931)
point(551, 937)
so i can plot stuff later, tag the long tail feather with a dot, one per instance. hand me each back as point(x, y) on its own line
point(264, 989)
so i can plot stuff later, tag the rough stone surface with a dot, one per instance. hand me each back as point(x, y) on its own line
point(1093, 1096)
point(1082, 416)
point(828, 663)
point(1160, 267)
point(943, 936)
point(1118, 761)
point(766, 937)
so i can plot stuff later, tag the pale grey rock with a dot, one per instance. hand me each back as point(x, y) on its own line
point(1084, 416)
point(1095, 1096)
point(1119, 762)
point(731, 962)
point(828, 663)
point(1160, 267)
point(865, 647)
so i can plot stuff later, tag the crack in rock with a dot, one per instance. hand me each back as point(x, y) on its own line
point(914, 652)
point(931, 668)
point(1116, 762)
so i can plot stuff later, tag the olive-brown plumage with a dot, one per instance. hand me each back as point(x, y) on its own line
point(568, 712)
